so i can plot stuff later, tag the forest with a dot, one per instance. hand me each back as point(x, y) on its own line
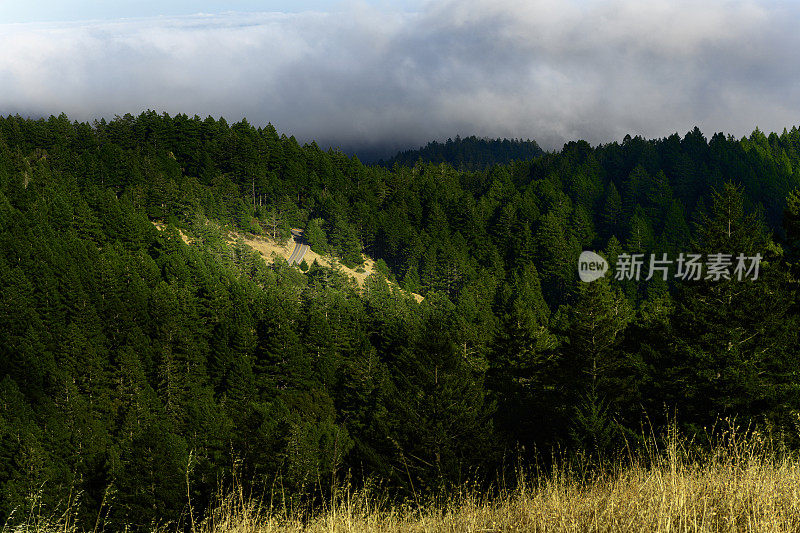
point(137, 369)
point(470, 153)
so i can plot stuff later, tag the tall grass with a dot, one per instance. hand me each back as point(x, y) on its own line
point(741, 483)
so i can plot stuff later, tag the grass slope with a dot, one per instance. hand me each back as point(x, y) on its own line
point(741, 484)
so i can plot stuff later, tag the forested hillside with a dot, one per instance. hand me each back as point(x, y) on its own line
point(470, 153)
point(133, 364)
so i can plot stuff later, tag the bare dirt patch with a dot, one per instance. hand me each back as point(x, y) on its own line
point(271, 250)
point(161, 227)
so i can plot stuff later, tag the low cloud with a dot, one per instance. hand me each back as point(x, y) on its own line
point(363, 77)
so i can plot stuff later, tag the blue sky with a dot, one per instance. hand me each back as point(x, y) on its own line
point(54, 10)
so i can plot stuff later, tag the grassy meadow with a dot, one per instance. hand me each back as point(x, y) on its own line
point(739, 484)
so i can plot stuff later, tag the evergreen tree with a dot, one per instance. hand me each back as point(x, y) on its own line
point(597, 374)
point(730, 346)
point(522, 360)
point(611, 216)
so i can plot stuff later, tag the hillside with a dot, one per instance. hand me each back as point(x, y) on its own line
point(147, 369)
point(739, 483)
point(469, 153)
point(272, 251)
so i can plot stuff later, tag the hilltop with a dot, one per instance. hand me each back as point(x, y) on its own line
point(469, 153)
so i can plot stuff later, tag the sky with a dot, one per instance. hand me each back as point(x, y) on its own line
point(59, 10)
point(380, 76)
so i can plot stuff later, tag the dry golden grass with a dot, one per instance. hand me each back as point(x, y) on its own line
point(734, 490)
point(757, 498)
point(741, 485)
point(269, 250)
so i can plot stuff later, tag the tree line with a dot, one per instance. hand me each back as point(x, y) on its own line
point(469, 153)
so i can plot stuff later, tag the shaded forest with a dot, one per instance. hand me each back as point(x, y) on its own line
point(132, 363)
point(470, 153)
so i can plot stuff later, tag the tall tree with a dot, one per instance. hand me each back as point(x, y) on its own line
point(730, 350)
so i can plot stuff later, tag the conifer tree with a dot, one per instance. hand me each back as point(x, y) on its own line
point(731, 340)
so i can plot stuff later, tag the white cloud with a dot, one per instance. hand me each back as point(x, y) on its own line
point(552, 71)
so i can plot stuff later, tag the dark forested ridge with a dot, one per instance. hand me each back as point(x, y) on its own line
point(131, 362)
point(469, 153)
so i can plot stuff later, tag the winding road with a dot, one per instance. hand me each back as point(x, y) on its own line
point(300, 247)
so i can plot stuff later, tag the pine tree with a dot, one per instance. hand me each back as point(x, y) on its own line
point(595, 371)
point(675, 237)
point(640, 236)
point(440, 418)
point(791, 226)
point(522, 360)
point(731, 341)
point(558, 251)
point(611, 216)
point(315, 234)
